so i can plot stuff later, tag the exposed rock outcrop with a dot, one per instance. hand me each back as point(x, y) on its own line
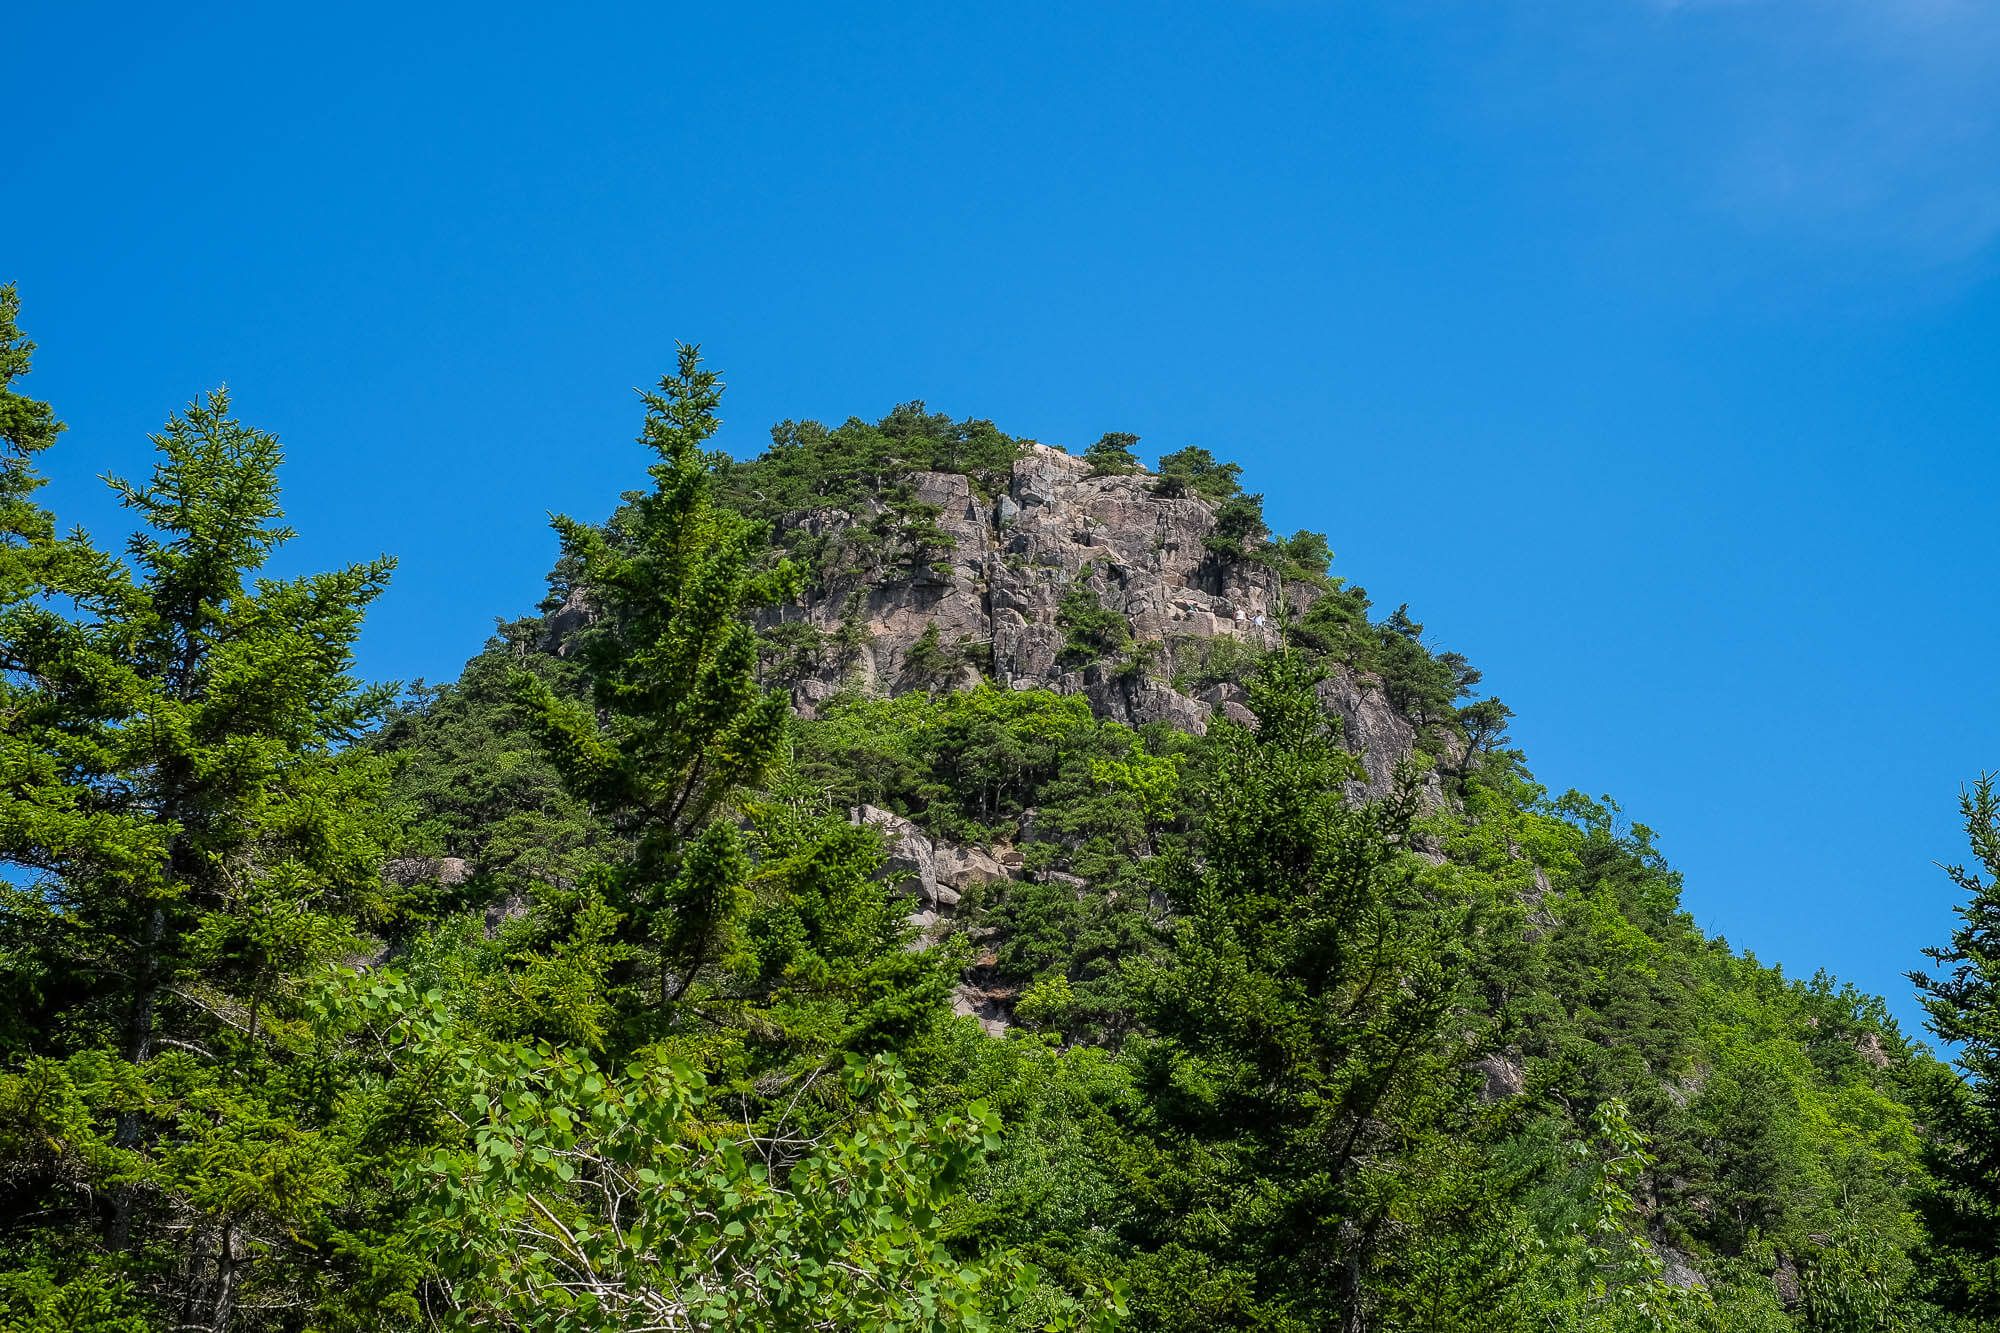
point(937, 874)
point(1371, 727)
point(449, 871)
point(1014, 556)
point(1678, 1269)
point(912, 864)
point(1501, 1077)
point(561, 626)
point(991, 1007)
point(965, 868)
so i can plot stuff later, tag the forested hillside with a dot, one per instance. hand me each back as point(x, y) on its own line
point(913, 879)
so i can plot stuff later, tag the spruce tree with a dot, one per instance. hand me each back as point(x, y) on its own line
point(1313, 1027)
point(677, 721)
point(27, 427)
point(1961, 1205)
point(28, 547)
point(190, 838)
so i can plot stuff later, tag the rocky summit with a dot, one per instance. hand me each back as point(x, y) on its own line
point(1015, 557)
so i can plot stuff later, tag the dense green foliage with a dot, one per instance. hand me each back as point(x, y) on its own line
point(482, 785)
point(576, 994)
point(1303, 1079)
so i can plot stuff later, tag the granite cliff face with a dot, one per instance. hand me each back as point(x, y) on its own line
point(995, 600)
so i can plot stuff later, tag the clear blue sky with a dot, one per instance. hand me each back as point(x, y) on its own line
point(1648, 350)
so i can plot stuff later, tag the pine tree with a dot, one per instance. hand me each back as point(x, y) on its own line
point(190, 837)
point(678, 721)
point(1961, 1206)
point(1112, 455)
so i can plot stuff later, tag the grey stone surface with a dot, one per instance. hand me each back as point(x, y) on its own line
point(962, 868)
point(1785, 1278)
point(912, 864)
point(1015, 556)
point(449, 871)
point(991, 1008)
point(930, 927)
point(561, 626)
point(1502, 1077)
point(1678, 1268)
point(1012, 558)
point(1237, 713)
point(1371, 727)
point(1226, 693)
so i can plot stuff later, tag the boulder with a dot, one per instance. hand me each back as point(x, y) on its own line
point(1224, 693)
point(1678, 1270)
point(450, 871)
point(1785, 1278)
point(407, 870)
point(1371, 727)
point(963, 868)
point(912, 863)
point(1502, 1078)
point(561, 626)
point(929, 927)
point(1237, 713)
point(506, 909)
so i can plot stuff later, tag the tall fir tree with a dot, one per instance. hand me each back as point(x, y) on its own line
point(27, 427)
point(677, 721)
point(1961, 1204)
point(28, 550)
point(190, 838)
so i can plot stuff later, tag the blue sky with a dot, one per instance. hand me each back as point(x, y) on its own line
point(1648, 350)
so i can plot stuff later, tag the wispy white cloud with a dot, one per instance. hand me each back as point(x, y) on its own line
point(1872, 121)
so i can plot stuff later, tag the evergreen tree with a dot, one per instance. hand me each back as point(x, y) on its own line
point(27, 427)
point(189, 834)
point(1112, 455)
point(677, 721)
point(1308, 1069)
point(1962, 1205)
point(1195, 471)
